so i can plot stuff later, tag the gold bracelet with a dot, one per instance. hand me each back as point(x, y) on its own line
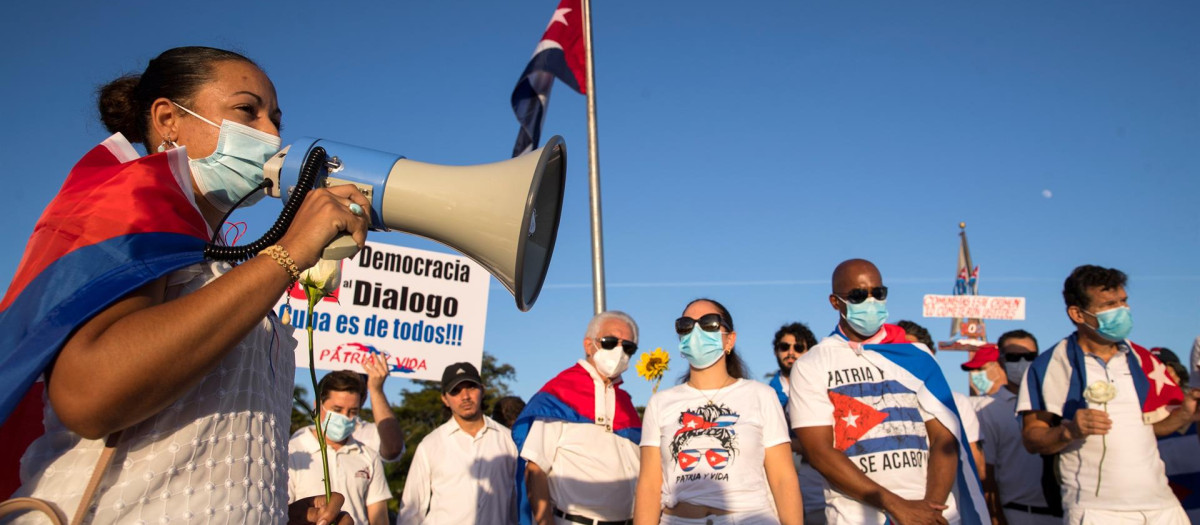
point(284, 259)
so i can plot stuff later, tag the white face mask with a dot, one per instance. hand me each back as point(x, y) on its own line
point(235, 168)
point(610, 363)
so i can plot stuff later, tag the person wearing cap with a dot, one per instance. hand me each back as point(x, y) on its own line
point(462, 472)
point(1096, 393)
point(1180, 450)
point(355, 471)
point(1013, 483)
point(578, 436)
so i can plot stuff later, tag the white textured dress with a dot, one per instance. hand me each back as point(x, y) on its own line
point(216, 455)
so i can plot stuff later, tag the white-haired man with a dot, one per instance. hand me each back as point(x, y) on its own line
point(578, 436)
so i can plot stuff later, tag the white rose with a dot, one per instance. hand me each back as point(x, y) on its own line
point(1100, 392)
point(325, 276)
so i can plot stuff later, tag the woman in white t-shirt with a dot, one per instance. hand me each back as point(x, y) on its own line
point(715, 449)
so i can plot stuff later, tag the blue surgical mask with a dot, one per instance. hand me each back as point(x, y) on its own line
point(235, 168)
point(1115, 323)
point(337, 427)
point(701, 348)
point(980, 379)
point(867, 317)
point(1016, 371)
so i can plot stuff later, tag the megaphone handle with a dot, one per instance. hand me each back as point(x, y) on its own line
point(341, 247)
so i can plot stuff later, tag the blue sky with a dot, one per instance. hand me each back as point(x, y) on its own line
point(745, 149)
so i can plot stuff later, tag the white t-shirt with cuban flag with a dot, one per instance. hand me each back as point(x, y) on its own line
point(877, 422)
point(712, 453)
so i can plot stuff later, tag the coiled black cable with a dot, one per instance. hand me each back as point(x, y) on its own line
point(305, 182)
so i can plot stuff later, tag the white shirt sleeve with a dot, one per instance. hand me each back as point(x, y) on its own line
point(650, 424)
point(808, 397)
point(291, 484)
point(775, 430)
point(414, 502)
point(541, 445)
point(378, 489)
point(966, 413)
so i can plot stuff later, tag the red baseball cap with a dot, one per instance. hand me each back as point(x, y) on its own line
point(984, 355)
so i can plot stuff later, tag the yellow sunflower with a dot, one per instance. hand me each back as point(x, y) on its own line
point(653, 365)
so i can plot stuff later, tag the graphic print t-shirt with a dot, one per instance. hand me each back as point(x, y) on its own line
point(877, 422)
point(712, 454)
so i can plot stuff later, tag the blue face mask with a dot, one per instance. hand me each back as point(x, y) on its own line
point(337, 427)
point(1115, 323)
point(1016, 371)
point(980, 379)
point(235, 168)
point(701, 349)
point(867, 317)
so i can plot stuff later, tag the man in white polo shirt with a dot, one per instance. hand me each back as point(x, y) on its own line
point(462, 472)
point(579, 435)
point(355, 471)
point(1014, 482)
point(1098, 401)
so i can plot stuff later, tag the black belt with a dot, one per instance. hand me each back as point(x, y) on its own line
point(1045, 511)
point(588, 521)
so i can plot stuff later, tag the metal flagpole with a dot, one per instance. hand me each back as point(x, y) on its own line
point(593, 166)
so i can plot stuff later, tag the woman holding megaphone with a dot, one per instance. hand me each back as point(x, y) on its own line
point(174, 361)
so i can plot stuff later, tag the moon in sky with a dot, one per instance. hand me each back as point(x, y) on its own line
point(1047, 193)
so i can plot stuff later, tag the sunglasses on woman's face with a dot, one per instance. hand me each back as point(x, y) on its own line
point(707, 322)
point(859, 295)
point(1018, 356)
point(609, 342)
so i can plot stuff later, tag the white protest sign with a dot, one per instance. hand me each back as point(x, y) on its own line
point(975, 307)
point(422, 310)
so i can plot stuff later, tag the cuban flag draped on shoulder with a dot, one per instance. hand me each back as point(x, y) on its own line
point(120, 221)
point(1057, 380)
point(569, 397)
point(560, 53)
point(924, 377)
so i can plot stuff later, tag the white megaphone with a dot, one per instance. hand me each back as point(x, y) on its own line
point(502, 215)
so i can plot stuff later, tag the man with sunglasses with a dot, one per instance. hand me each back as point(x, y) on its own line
point(792, 340)
point(1096, 392)
point(462, 472)
point(1017, 483)
point(578, 436)
point(873, 412)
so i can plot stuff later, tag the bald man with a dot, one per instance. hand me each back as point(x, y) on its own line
point(868, 422)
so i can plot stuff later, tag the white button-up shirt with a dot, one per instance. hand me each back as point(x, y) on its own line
point(592, 471)
point(458, 478)
point(356, 472)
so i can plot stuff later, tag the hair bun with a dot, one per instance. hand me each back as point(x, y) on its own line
point(118, 110)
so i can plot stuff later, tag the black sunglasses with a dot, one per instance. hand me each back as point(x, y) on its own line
point(1023, 356)
point(859, 295)
point(708, 323)
point(609, 342)
point(783, 347)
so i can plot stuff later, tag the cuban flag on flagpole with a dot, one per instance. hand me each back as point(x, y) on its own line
point(933, 392)
point(119, 222)
point(569, 397)
point(560, 53)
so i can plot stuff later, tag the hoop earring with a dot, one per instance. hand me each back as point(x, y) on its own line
point(167, 142)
